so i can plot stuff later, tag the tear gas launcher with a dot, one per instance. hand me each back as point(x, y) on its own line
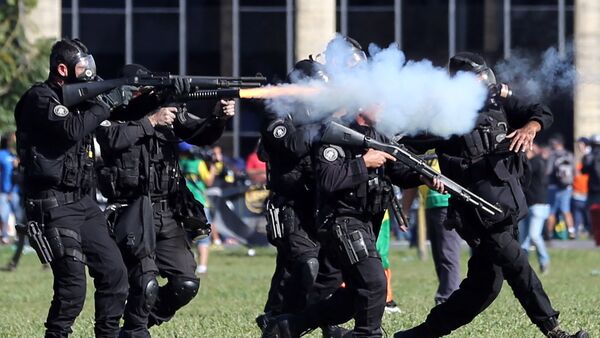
point(202, 87)
point(338, 134)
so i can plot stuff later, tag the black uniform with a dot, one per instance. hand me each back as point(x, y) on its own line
point(352, 201)
point(141, 170)
point(481, 162)
point(291, 225)
point(56, 149)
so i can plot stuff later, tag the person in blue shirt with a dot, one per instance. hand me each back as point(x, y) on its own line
point(9, 191)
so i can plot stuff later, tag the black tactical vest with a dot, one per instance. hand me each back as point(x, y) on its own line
point(489, 135)
point(47, 165)
point(151, 167)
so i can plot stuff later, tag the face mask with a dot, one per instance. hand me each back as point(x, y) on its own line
point(84, 65)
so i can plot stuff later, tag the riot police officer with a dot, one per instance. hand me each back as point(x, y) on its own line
point(287, 143)
point(66, 225)
point(489, 162)
point(354, 191)
point(141, 173)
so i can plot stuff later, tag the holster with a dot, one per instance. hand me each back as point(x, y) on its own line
point(351, 244)
point(282, 219)
point(39, 242)
point(47, 241)
point(275, 228)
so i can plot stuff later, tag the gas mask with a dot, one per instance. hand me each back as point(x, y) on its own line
point(496, 91)
point(85, 65)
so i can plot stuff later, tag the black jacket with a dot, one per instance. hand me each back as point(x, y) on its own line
point(55, 142)
point(494, 176)
point(343, 180)
point(140, 159)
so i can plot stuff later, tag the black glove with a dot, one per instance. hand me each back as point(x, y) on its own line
point(182, 86)
point(117, 97)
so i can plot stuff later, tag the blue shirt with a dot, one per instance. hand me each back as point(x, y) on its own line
point(6, 171)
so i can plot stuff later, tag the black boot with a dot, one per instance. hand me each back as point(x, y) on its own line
point(558, 333)
point(284, 326)
point(262, 321)
point(334, 331)
point(420, 331)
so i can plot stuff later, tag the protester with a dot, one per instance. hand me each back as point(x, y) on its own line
point(383, 248)
point(256, 169)
point(581, 219)
point(199, 174)
point(560, 169)
point(445, 243)
point(536, 193)
point(10, 201)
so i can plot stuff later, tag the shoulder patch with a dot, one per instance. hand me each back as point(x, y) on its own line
point(61, 111)
point(330, 154)
point(279, 131)
point(105, 123)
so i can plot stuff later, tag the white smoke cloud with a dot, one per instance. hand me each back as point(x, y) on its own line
point(410, 96)
point(535, 81)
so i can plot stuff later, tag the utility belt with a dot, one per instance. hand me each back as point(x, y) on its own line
point(162, 204)
point(44, 200)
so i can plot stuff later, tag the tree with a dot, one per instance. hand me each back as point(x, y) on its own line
point(22, 62)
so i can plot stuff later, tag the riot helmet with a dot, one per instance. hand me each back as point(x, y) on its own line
point(474, 63)
point(344, 51)
point(75, 55)
point(307, 69)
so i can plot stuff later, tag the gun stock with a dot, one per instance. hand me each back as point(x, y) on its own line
point(335, 133)
point(75, 93)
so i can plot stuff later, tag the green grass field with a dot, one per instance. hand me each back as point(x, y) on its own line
point(233, 293)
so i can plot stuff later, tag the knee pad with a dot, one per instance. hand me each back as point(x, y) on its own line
point(150, 292)
point(183, 290)
point(309, 270)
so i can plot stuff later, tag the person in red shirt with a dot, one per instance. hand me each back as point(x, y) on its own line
point(256, 169)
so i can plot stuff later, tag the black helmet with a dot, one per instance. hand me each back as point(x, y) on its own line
point(472, 62)
point(72, 53)
point(307, 69)
point(351, 57)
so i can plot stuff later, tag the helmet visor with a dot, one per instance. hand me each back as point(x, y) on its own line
point(487, 76)
point(85, 68)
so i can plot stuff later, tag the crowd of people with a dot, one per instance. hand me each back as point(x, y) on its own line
point(328, 214)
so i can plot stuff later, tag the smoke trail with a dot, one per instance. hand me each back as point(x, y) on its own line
point(535, 81)
point(409, 96)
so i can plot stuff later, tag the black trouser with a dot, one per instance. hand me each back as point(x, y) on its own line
point(105, 266)
point(363, 298)
point(498, 257)
point(289, 289)
point(174, 261)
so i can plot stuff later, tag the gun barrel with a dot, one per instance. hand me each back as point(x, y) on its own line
point(211, 82)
